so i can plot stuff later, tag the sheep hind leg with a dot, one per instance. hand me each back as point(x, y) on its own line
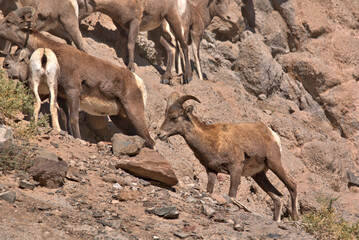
point(132, 36)
point(276, 167)
point(37, 104)
point(262, 180)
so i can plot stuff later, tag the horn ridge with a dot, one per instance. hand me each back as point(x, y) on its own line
point(22, 11)
point(181, 100)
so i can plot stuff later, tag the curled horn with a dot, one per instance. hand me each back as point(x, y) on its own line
point(179, 101)
point(22, 11)
point(171, 99)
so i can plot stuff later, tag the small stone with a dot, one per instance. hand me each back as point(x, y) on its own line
point(126, 145)
point(104, 223)
point(145, 183)
point(262, 97)
point(56, 145)
point(209, 212)
point(116, 224)
point(63, 133)
point(9, 196)
point(219, 199)
point(23, 184)
point(165, 212)
point(269, 112)
point(97, 214)
point(117, 186)
point(238, 227)
point(352, 179)
point(181, 235)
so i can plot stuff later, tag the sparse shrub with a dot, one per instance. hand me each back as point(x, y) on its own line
point(15, 97)
point(325, 225)
point(16, 157)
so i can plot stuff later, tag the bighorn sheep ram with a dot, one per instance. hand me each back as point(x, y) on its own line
point(132, 16)
point(86, 82)
point(57, 17)
point(44, 70)
point(245, 149)
point(195, 18)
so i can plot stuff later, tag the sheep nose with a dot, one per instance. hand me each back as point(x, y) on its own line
point(6, 65)
point(229, 17)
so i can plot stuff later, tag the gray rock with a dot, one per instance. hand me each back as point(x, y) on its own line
point(167, 212)
point(181, 235)
point(26, 185)
point(353, 180)
point(6, 137)
point(9, 196)
point(208, 211)
point(126, 145)
point(48, 171)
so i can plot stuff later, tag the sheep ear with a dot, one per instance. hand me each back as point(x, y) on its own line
point(188, 110)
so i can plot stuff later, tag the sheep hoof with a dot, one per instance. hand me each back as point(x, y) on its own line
point(187, 80)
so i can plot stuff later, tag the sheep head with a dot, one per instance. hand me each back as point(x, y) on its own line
point(177, 118)
point(17, 65)
point(15, 25)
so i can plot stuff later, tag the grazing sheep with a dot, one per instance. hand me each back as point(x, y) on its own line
point(86, 82)
point(245, 149)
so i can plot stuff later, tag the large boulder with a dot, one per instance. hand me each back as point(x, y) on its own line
point(48, 170)
point(151, 165)
point(257, 70)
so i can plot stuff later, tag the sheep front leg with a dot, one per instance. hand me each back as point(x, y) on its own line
point(211, 180)
point(132, 35)
point(235, 180)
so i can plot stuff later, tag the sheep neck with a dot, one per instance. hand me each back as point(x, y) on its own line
point(199, 139)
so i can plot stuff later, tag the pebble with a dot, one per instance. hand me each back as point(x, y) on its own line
point(23, 184)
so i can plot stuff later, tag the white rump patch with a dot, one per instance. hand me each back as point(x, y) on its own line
point(76, 7)
point(277, 139)
point(142, 86)
point(182, 5)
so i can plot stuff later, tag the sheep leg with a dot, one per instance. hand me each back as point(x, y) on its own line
point(262, 180)
point(73, 29)
point(195, 47)
point(165, 78)
point(34, 84)
point(73, 102)
point(175, 24)
point(64, 114)
point(52, 85)
point(123, 51)
point(211, 180)
point(132, 35)
point(235, 180)
point(275, 165)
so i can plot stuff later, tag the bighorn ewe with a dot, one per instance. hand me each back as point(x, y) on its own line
point(195, 18)
point(132, 16)
point(246, 149)
point(57, 17)
point(86, 82)
point(44, 71)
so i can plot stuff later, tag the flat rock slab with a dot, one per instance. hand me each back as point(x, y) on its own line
point(149, 164)
point(48, 171)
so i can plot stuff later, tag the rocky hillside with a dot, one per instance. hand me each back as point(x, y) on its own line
point(293, 65)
